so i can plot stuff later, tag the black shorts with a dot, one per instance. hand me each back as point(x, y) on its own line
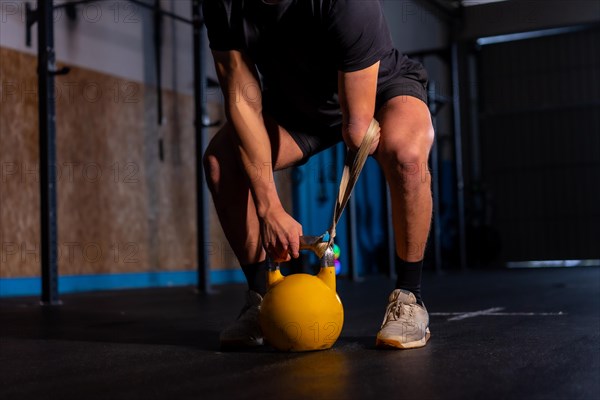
point(410, 81)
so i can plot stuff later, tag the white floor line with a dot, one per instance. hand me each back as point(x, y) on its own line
point(457, 316)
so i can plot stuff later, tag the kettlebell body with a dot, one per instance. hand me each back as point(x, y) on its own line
point(302, 312)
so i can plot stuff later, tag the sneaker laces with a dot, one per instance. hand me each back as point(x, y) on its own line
point(397, 310)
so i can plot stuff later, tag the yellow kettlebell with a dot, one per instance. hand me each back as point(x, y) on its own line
point(302, 312)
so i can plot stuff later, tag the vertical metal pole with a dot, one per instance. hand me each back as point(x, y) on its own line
point(474, 119)
point(47, 143)
point(199, 108)
point(460, 183)
point(353, 250)
point(157, 36)
point(435, 180)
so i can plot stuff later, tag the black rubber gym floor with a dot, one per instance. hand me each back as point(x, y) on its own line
point(517, 334)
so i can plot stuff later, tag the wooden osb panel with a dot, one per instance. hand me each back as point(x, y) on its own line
point(122, 205)
point(19, 185)
point(102, 202)
point(176, 218)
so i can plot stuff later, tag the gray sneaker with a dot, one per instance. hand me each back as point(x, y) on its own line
point(406, 323)
point(245, 331)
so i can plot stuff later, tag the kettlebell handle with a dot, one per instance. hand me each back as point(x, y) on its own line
point(322, 249)
point(326, 274)
point(314, 244)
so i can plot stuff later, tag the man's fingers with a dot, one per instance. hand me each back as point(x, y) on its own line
point(279, 251)
point(294, 248)
point(283, 258)
point(284, 244)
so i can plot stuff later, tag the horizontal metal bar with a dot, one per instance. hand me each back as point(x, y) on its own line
point(136, 2)
point(522, 169)
point(73, 3)
point(553, 263)
point(552, 108)
point(513, 37)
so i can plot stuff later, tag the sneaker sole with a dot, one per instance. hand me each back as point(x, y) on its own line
point(396, 344)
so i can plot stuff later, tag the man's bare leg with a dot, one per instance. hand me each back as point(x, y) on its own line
point(406, 138)
point(229, 185)
point(230, 191)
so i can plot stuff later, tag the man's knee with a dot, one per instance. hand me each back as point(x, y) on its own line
point(410, 150)
point(404, 157)
point(215, 158)
point(210, 161)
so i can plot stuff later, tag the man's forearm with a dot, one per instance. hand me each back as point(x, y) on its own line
point(254, 151)
point(243, 104)
point(357, 100)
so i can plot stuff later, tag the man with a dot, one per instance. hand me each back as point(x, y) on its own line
point(299, 76)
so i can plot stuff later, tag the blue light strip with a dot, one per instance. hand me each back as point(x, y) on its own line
point(511, 37)
point(553, 263)
point(31, 286)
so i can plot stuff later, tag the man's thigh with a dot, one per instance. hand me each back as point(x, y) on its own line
point(285, 151)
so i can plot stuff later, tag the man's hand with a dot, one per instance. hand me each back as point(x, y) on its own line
point(280, 234)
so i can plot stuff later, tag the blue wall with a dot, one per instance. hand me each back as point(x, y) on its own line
point(10, 287)
point(315, 189)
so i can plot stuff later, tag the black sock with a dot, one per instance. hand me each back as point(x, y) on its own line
point(256, 276)
point(409, 277)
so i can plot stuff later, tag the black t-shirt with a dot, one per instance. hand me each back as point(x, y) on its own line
point(299, 46)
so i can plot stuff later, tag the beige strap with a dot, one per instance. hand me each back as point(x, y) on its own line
point(353, 165)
